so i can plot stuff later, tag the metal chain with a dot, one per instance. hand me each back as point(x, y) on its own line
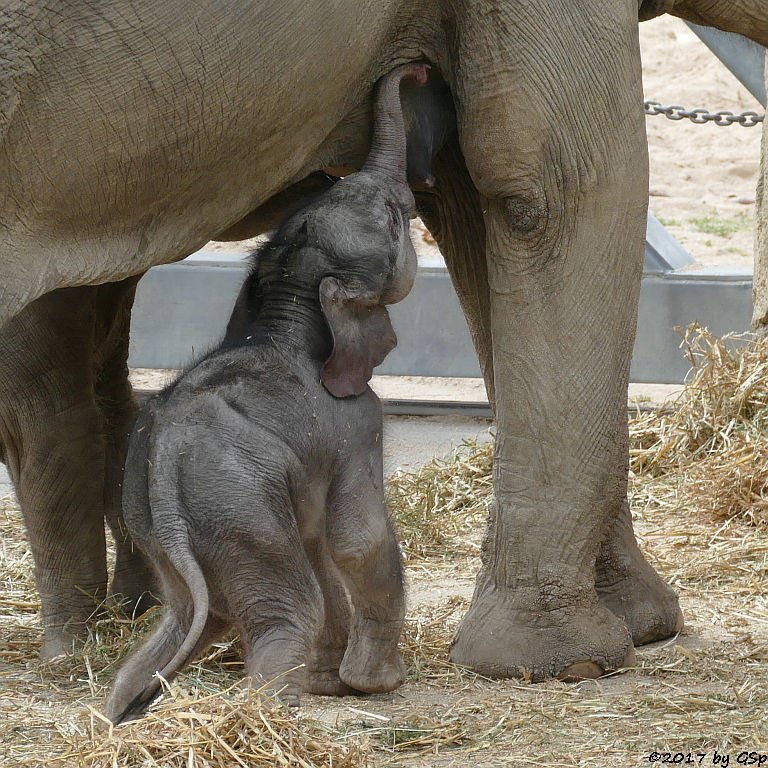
point(700, 116)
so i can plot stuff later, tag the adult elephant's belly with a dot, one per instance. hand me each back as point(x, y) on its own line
point(131, 134)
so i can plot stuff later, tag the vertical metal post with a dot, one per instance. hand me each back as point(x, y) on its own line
point(745, 58)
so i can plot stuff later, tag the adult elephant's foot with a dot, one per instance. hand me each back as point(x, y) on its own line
point(66, 621)
point(647, 605)
point(629, 587)
point(522, 634)
point(57, 644)
point(64, 633)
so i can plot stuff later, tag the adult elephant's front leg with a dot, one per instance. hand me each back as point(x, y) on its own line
point(65, 405)
point(552, 132)
point(52, 434)
point(629, 587)
point(453, 213)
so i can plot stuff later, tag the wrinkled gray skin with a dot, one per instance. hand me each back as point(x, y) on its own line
point(255, 482)
point(65, 410)
point(130, 134)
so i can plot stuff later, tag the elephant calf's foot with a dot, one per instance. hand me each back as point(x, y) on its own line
point(639, 597)
point(323, 675)
point(521, 634)
point(280, 690)
point(326, 682)
point(372, 663)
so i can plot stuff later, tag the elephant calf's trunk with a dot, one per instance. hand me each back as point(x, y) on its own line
point(388, 146)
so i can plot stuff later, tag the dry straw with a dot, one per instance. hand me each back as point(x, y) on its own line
point(439, 508)
point(715, 437)
point(234, 727)
point(698, 493)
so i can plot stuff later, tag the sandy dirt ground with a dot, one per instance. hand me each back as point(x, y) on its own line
point(703, 177)
point(702, 694)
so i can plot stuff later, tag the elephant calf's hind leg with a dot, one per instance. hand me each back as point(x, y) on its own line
point(278, 605)
point(328, 651)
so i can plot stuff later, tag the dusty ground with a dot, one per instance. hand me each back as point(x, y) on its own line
point(702, 694)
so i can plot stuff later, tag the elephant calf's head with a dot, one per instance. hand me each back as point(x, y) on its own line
point(350, 250)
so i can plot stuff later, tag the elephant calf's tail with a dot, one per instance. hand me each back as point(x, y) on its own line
point(186, 565)
point(190, 571)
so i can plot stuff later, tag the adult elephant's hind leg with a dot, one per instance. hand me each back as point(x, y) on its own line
point(564, 202)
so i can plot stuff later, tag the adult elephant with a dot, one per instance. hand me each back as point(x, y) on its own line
point(132, 133)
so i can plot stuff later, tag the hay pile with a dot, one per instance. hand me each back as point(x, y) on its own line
point(426, 638)
point(439, 508)
point(229, 728)
point(18, 596)
point(714, 440)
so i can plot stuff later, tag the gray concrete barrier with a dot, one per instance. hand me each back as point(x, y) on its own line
point(181, 311)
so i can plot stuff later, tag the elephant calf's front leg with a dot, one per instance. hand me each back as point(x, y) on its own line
point(331, 643)
point(366, 551)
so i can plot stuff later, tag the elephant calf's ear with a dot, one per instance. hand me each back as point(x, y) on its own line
point(362, 337)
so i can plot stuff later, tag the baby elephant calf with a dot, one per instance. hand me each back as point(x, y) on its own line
point(255, 484)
